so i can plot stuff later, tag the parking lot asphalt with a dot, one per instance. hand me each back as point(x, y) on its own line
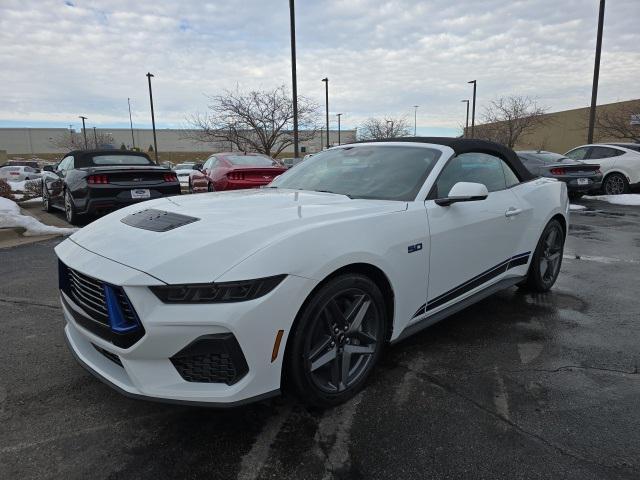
point(517, 386)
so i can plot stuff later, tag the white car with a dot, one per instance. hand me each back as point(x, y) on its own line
point(16, 173)
point(183, 170)
point(619, 164)
point(226, 297)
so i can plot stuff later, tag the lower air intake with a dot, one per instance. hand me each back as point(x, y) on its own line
point(211, 359)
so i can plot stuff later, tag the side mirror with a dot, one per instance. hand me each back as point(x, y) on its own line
point(464, 192)
point(47, 168)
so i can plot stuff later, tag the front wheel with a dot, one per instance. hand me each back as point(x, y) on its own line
point(547, 259)
point(337, 340)
point(615, 184)
point(46, 201)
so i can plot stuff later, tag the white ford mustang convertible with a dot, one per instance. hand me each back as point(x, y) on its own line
point(227, 297)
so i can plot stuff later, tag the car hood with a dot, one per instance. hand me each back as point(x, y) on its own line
point(231, 226)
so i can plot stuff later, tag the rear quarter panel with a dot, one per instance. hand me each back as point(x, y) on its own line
point(541, 199)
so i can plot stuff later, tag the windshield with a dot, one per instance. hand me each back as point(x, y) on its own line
point(115, 159)
point(366, 171)
point(251, 160)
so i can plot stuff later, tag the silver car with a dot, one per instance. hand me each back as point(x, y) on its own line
point(16, 173)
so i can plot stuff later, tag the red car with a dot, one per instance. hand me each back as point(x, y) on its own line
point(234, 171)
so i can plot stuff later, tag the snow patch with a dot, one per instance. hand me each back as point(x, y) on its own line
point(10, 217)
point(624, 199)
point(576, 207)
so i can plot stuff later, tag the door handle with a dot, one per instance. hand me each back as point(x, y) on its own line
point(512, 212)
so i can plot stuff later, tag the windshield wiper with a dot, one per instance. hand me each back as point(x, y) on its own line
point(335, 193)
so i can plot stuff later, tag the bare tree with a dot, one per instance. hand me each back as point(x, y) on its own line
point(381, 128)
point(508, 119)
point(258, 121)
point(621, 122)
point(75, 140)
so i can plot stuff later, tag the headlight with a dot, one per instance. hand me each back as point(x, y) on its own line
point(225, 292)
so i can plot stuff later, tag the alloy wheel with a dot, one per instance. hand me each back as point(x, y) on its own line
point(342, 341)
point(68, 207)
point(614, 185)
point(551, 254)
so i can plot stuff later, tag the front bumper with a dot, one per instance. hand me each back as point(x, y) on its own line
point(147, 369)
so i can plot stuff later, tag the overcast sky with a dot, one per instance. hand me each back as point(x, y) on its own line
point(60, 59)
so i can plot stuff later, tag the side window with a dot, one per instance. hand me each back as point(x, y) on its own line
point(577, 153)
point(214, 162)
point(69, 164)
point(510, 177)
point(604, 152)
point(472, 167)
point(62, 166)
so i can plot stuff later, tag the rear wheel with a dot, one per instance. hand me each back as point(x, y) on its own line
point(547, 259)
point(575, 195)
point(615, 184)
point(337, 340)
point(70, 209)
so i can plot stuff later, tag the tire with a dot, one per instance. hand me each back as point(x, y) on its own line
point(575, 195)
point(548, 254)
point(210, 187)
point(70, 209)
point(615, 184)
point(344, 322)
point(46, 201)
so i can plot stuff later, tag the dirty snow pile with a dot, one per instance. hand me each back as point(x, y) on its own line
point(10, 217)
point(624, 199)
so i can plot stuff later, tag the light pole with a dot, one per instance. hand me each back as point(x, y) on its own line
point(294, 78)
point(153, 120)
point(596, 75)
point(338, 115)
point(415, 120)
point(321, 137)
point(84, 132)
point(95, 137)
point(473, 110)
point(466, 127)
point(326, 83)
point(133, 141)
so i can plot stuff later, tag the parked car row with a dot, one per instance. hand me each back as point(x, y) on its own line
point(613, 168)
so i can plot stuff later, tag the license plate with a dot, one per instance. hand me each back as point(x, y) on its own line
point(583, 181)
point(140, 193)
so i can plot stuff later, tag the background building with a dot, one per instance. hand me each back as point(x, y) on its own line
point(172, 144)
point(562, 131)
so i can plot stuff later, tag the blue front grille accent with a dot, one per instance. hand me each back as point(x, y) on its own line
point(119, 320)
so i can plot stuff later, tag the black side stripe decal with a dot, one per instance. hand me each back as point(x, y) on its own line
point(517, 260)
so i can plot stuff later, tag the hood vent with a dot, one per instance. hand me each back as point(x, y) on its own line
point(157, 220)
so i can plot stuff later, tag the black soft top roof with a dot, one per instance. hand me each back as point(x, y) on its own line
point(465, 145)
point(83, 157)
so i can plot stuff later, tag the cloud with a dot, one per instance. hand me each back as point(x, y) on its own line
point(62, 59)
